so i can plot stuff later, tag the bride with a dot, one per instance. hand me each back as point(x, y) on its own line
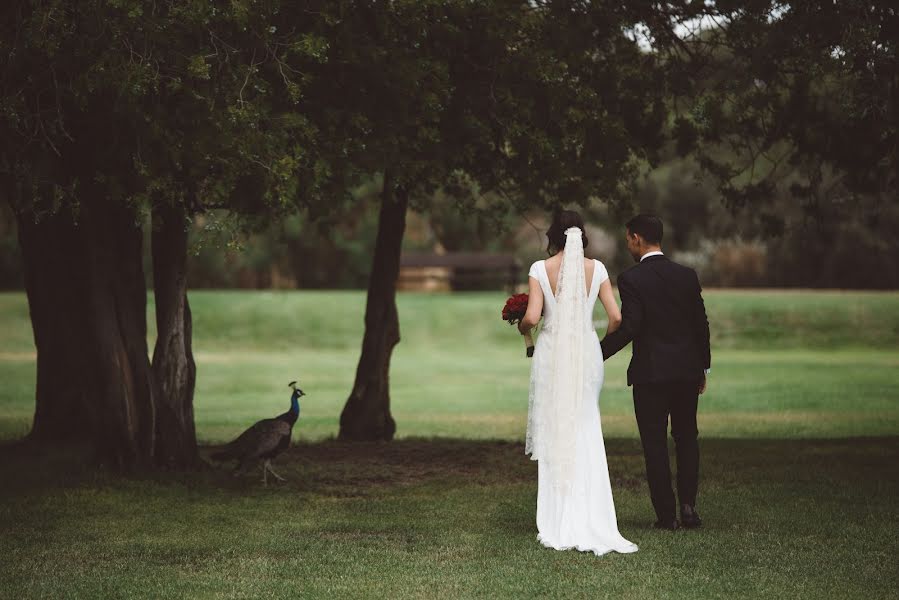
point(574, 494)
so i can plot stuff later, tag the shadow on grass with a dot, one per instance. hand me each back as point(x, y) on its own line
point(360, 469)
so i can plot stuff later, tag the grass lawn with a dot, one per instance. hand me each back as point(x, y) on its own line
point(799, 486)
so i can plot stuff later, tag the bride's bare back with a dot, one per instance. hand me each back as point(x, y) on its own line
point(554, 265)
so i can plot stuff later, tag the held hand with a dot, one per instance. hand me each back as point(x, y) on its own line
point(522, 328)
point(702, 385)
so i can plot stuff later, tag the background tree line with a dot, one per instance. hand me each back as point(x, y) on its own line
point(853, 248)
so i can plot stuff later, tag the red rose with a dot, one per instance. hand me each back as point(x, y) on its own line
point(515, 308)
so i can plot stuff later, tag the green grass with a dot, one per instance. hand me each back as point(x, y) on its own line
point(799, 487)
point(452, 518)
point(459, 371)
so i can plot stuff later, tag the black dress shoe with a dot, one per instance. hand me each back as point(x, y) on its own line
point(667, 524)
point(689, 518)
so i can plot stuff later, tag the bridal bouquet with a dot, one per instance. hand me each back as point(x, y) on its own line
point(513, 312)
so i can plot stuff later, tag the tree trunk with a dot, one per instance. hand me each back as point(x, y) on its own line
point(173, 361)
point(366, 415)
point(55, 284)
point(123, 408)
point(87, 299)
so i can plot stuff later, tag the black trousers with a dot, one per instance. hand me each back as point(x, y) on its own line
point(653, 402)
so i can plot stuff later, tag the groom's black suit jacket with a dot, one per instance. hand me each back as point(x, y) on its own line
point(663, 314)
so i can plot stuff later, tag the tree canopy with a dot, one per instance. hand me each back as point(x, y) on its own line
point(798, 96)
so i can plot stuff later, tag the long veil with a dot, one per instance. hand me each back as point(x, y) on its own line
point(559, 410)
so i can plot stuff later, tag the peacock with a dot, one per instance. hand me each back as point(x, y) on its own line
point(264, 440)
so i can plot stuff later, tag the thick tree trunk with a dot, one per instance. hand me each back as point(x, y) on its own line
point(366, 415)
point(173, 361)
point(123, 408)
point(55, 284)
point(87, 298)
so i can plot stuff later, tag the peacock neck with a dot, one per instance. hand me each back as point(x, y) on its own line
point(295, 405)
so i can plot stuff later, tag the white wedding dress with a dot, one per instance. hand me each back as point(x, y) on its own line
point(574, 495)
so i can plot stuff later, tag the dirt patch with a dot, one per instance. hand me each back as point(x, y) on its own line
point(353, 469)
point(361, 468)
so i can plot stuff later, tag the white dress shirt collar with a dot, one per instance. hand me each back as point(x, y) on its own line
point(653, 253)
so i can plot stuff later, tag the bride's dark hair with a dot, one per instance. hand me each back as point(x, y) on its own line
point(555, 235)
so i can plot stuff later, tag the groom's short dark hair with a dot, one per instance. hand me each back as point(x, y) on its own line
point(649, 227)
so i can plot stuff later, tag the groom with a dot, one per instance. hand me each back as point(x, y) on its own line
point(663, 314)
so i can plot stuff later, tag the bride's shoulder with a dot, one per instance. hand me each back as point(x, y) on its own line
point(600, 268)
point(535, 268)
